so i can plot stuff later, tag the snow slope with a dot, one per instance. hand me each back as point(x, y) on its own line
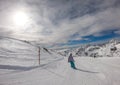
point(19, 66)
point(21, 53)
point(98, 71)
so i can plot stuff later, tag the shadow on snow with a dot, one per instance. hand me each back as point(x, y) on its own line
point(9, 67)
point(86, 71)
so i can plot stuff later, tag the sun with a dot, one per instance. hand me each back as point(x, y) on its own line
point(20, 18)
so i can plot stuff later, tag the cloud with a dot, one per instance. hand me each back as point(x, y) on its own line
point(88, 25)
point(5, 32)
point(117, 32)
point(54, 22)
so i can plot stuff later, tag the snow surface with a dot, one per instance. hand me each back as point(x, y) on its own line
point(98, 71)
point(19, 66)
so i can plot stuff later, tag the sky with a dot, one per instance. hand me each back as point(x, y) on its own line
point(56, 23)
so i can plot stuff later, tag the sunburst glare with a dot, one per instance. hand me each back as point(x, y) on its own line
point(20, 18)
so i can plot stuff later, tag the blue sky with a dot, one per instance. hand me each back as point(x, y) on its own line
point(60, 22)
point(92, 38)
point(107, 35)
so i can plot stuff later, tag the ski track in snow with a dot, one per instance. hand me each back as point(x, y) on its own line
point(19, 66)
point(90, 71)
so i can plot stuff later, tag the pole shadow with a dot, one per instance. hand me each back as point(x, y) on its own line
point(86, 71)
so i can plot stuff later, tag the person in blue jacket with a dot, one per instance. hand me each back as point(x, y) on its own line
point(71, 61)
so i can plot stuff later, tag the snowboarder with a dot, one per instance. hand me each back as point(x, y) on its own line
point(71, 61)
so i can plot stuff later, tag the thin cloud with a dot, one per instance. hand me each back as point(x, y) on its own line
point(117, 32)
point(5, 32)
point(55, 22)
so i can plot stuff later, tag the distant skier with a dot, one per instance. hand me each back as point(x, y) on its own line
point(71, 61)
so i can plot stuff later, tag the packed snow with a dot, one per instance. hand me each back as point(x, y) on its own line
point(19, 66)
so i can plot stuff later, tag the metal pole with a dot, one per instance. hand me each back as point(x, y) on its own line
point(39, 55)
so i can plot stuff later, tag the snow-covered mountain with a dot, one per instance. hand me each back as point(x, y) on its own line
point(111, 48)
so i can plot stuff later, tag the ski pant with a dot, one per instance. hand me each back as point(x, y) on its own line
point(72, 64)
